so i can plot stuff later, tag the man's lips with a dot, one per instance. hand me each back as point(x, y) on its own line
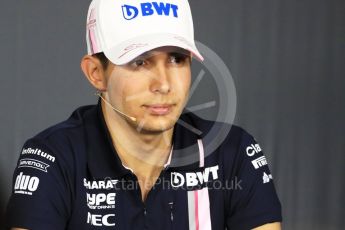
point(159, 109)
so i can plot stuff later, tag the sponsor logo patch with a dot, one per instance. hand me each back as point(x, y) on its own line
point(101, 220)
point(253, 149)
point(259, 162)
point(266, 178)
point(194, 178)
point(103, 184)
point(38, 152)
point(32, 163)
point(101, 200)
point(26, 184)
point(148, 9)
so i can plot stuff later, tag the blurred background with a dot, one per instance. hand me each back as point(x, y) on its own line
point(287, 60)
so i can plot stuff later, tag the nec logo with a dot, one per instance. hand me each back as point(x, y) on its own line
point(148, 9)
point(101, 220)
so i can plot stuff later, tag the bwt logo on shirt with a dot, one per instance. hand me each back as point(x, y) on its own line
point(148, 9)
point(194, 178)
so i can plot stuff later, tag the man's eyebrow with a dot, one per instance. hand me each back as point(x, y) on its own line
point(181, 53)
point(141, 56)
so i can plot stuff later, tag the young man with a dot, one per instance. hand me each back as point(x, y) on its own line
point(121, 164)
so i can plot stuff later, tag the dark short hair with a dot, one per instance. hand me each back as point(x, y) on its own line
point(103, 59)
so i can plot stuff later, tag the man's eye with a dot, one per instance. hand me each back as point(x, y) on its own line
point(178, 58)
point(138, 63)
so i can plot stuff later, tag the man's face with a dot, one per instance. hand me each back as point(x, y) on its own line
point(153, 88)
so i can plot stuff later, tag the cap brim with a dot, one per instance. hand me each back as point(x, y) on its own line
point(129, 50)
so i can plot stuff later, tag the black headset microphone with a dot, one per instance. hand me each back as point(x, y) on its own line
point(116, 110)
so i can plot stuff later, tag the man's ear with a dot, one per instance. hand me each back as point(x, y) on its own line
point(94, 72)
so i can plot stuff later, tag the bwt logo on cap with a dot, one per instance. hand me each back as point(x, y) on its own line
point(149, 9)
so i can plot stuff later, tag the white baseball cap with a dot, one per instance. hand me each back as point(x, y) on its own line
point(125, 29)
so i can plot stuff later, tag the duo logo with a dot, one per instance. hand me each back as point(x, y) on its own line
point(148, 9)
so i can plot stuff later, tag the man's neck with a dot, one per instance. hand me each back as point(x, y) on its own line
point(138, 150)
point(143, 152)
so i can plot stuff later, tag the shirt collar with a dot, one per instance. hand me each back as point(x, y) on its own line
point(169, 158)
point(103, 160)
point(185, 150)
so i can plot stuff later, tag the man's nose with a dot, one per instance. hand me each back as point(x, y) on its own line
point(160, 81)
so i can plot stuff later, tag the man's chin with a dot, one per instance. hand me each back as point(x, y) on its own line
point(155, 127)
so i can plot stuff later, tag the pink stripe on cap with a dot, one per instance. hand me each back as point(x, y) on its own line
point(91, 26)
point(93, 41)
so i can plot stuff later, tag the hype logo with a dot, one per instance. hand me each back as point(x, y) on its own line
point(148, 9)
